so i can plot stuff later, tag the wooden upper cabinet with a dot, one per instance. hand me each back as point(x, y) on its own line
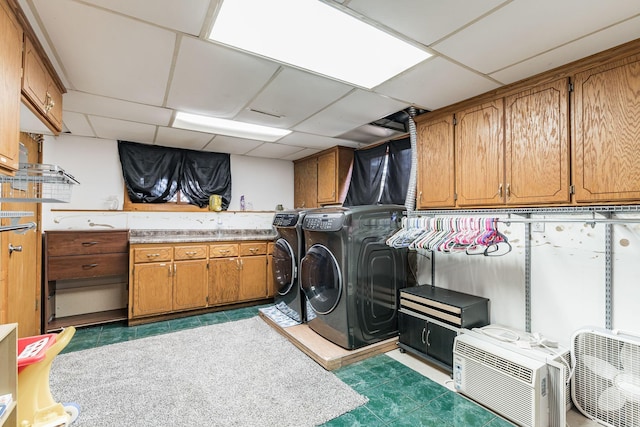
point(305, 173)
point(10, 67)
point(479, 142)
point(43, 94)
point(436, 169)
point(334, 171)
point(537, 145)
point(322, 179)
point(606, 120)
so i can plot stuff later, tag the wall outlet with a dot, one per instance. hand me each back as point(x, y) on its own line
point(537, 227)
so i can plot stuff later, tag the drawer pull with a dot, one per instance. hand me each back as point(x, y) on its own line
point(152, 255)
point(191, 253)
point(89, 243)
point(253, 250)
point(88, 266)
point(223, 251)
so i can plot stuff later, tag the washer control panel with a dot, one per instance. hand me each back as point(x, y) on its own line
point(285, 220)
point(324, 222)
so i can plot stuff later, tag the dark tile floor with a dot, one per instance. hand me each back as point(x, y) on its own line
point(398, 395)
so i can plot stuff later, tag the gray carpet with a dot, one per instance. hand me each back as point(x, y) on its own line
point(240, 373)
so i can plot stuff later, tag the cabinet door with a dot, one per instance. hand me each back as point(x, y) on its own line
point(479, 141)
point(413, 332)
point(35, 80)
point(152, 289)
point(224, 280)
point(607, 132)
point(10, 74)
point(306, 183)
point(191, 285)
point(537, 145)
point(253, 281)
point(327, 177)
point(436, 172)
point(439, 342)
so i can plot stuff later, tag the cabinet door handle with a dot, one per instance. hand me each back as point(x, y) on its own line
point(89, 243)
point(424, 340)
point(500, 190)
point(428, 333)
point(508, 191)
point(13, 249)
point(88, 266)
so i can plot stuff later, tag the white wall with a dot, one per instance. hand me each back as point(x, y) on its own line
point(95, 164)
point(567, 277)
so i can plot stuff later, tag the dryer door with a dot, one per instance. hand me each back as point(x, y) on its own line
point(284, 266)
point(320, 279)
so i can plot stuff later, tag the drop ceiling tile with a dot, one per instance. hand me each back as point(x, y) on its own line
point(274, 150)
point(120, 129)
point(300, 154)
point(293, 95)
point(597, 42)
point(436, 83)
point(180, 138)
point(115, 108)
point(354, 110)
point(369, 134)
point(108, 54)
point(299, 139)
point(184, 16)
point(519, 30)
point(77, 123)
point(228, 144)
point(216, 80)
point(424, 21)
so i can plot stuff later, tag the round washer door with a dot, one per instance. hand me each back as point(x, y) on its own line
point(320, 279)
point(284, 266)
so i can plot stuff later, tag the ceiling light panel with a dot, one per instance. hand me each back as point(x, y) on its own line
point(314, 36)
point(226, 127)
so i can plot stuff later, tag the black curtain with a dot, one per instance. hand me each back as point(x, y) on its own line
point(398, 172)
point(204, 174)
point(366, 176)
point(153, 174)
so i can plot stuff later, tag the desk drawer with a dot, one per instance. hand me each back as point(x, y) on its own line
point(81, 266)
point(84, 242)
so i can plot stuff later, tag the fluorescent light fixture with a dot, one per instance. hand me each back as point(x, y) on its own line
point(227, 127)
point(314, 36)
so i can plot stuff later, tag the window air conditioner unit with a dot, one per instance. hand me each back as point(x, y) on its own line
point(510, 373)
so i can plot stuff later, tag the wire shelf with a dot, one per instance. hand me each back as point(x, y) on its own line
point(37, 183)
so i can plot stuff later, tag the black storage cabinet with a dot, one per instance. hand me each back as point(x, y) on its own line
point(430, 318)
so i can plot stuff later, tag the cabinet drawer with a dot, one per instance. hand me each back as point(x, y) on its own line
point(190, 252)
point(153, 254)
point(223, 250)
point(248, 249)
point(81, 266)
point(84, 243)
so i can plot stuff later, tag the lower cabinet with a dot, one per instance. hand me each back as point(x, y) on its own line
point(430, 318)
point(171, 278)
point(428, 338)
